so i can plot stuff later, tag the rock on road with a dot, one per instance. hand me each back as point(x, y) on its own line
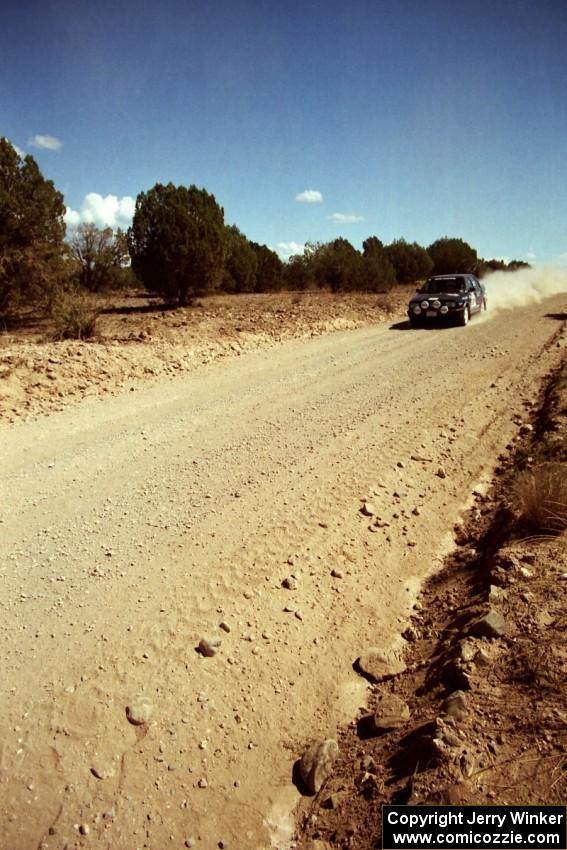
point(224, 509)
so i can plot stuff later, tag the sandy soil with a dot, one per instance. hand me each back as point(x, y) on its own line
point(134, 526)
point(479, 714)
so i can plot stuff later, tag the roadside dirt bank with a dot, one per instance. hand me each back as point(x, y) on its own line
point(226, 504)
point(479, 714)
point(140, 341)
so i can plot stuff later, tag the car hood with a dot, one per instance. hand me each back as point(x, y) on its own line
point(436, 296)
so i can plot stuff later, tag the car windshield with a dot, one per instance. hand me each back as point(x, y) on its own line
point(446, 284)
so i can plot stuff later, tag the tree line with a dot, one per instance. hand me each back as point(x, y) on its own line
point(179, 247)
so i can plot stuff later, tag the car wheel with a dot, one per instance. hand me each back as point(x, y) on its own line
point(465, 316)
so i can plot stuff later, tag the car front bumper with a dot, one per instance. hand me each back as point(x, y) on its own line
point(431, 314)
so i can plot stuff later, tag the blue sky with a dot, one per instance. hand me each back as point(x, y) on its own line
point(399, 117)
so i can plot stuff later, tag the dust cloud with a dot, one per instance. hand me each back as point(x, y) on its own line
point(506, 290)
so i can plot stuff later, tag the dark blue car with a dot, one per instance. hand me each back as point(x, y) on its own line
point(453, 297)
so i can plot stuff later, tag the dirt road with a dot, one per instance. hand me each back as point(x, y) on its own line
point(132, 527)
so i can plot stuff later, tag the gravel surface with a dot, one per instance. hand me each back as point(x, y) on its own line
point(135, 527)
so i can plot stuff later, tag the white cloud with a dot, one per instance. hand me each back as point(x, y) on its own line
point(72, 218)
point(310, 196)
point(110, 211)
point(346, 218)
point(285, 250)
point(530, 256)
point(48, 143)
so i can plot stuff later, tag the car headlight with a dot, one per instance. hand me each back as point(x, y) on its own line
point(451, 304)
point(444, 309)
point(417, 309)
point(436, 304)
point(424, 305)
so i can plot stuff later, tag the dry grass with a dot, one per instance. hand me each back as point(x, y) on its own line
point(74, 316)
point(541, 497)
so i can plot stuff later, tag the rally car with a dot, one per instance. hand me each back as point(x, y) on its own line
point(453, 297)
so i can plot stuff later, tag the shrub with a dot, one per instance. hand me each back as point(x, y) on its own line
point(541, 497)
point(74, 316)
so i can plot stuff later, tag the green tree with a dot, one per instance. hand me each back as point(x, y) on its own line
point(486, 266)
point(241, 263)
point(269, 273)
point(372, 246)
point(411, 262)
point(515, 265)
point(338, 265)
point(299, 274)
point(101, 256)
point(31, 230)
point(378, 274)
point(452, 255)
point(177, 241)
